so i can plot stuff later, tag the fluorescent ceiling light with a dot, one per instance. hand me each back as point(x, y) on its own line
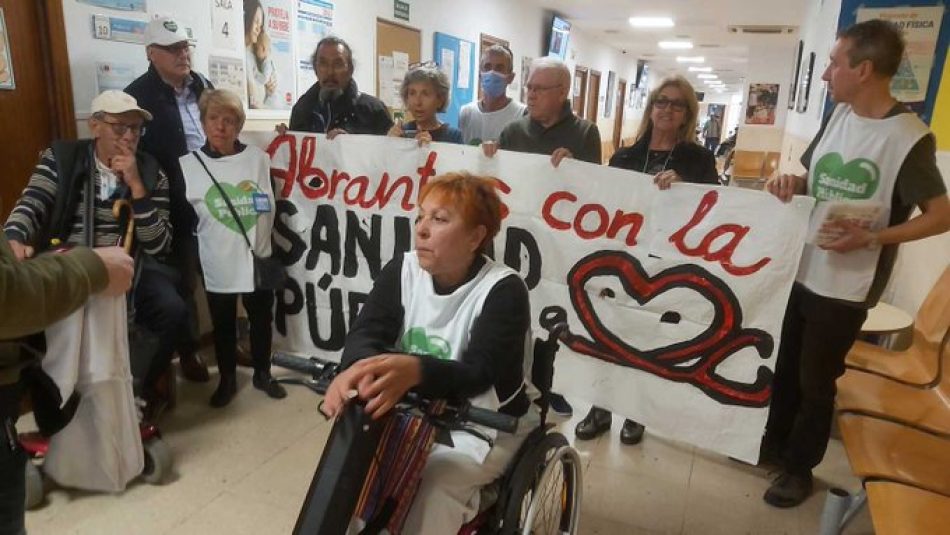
point(651, 22)
point(690, 59)
point(675, 45)
point(706, 76)
point(713, 82)
point(700, 69)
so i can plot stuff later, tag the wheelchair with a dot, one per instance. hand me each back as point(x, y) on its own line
point(539, 493)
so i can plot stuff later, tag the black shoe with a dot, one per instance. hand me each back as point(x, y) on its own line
point(263, 381)
point(789, 490)
point(559, 405)
point(227, 388)
point(596, 423)
point(632, 432)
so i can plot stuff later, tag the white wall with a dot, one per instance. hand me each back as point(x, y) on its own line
point(522, 23)
point(769, 63)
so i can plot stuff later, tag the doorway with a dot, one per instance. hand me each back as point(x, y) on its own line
point(39, 106)
point(593, 101)
point(619, 98)
point(579, 91)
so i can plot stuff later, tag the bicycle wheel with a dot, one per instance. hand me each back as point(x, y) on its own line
point(546, 490)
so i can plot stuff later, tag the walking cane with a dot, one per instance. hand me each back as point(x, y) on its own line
point(117, 207)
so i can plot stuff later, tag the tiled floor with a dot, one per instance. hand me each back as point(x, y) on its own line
point(245, 470)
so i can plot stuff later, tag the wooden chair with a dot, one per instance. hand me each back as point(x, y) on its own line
point(919, 365)
point(927, 409)
point(880, 449)
point(901, 510)
point(770, 164)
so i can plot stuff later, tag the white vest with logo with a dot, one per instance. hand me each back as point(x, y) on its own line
point(440, 326)
point(857, 158)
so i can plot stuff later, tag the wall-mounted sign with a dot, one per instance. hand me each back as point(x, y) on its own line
point(118, 29)
point(401, 10)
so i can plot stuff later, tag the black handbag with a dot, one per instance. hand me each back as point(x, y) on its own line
point(269, 272)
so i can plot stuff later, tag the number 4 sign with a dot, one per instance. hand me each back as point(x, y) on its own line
point(226, 19)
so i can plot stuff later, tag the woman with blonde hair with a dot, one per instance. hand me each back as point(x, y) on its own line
point(666, 148)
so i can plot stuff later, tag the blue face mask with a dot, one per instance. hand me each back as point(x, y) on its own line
point(494, 84)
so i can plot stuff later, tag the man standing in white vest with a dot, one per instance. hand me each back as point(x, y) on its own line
point(870, 148)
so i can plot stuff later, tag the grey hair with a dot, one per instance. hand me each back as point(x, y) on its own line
point(554, 64)
point(429, 75)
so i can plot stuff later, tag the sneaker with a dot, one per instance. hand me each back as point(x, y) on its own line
point(559, 405)
point(789, 490)
point(264, 382)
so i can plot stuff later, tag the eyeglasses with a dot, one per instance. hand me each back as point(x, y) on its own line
point(176, 48)
point(120, 129)
point(532, 88)
point(662, 103)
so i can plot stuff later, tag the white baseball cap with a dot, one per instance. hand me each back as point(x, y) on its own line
point(114, 101)
point(166, 31)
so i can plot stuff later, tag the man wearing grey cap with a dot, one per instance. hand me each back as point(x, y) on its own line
point(75, 186)
point(170, 90)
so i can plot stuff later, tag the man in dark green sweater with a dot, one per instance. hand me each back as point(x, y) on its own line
point(35, 293)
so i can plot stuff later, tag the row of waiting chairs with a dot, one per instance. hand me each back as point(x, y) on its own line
point(894, 418)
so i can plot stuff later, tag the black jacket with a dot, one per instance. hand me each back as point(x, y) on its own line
point(691, 161)
point(165, 140)
point(355, 112)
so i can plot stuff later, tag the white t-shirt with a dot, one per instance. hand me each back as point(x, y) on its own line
point(478, 126)
point(226, 261)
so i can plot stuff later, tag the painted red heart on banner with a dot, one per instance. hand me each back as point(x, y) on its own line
point(692, 361)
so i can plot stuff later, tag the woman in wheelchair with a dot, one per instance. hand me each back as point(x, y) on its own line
point(459, 323)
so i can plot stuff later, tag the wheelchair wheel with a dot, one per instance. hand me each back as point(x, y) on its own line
point(545, 490)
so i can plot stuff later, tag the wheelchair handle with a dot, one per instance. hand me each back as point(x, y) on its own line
point(488, 418)
point(312, 366)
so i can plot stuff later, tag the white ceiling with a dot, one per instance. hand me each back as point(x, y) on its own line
point(705, 23)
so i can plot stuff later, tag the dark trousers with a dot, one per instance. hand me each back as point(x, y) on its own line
point(12, 465)
point(223, 307)
point(817, 334)
point(712, 143)
point(160, 309)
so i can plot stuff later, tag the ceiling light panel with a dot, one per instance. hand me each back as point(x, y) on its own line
point(675, 45)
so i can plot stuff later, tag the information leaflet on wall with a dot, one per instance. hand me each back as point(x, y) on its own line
point(121, 5)
point(118, 29)
point(112, 75)
point(921, 27)
point(314, 21)
point(227, 73)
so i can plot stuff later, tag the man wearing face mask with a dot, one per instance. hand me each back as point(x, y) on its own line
point(484, 120)
point(334, 105)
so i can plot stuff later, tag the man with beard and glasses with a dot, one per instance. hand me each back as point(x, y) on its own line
point(334, 105)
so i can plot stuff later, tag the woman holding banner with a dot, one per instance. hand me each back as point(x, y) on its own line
point(666, 147)
point(450, 323)
point(425, 92)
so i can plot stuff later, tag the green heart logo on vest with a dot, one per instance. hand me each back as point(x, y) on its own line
point(833, 179)
point(416, 342)
point(242, 198)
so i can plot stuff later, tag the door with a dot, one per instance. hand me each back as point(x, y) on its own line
point(39, 106)
point(618, 112)
point(579, 92)
point(593, 101)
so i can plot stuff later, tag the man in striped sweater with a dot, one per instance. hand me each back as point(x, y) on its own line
point(74, 187)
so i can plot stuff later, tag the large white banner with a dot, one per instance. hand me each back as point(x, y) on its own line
point(674, 298)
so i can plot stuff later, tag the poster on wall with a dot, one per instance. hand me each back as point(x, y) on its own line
point(269, 55)
point(6, 63)
point(113, 75)
point(525, 71)
point(804, 83)
point(227, 73)
point(921, 27)
point(314, 22)
point(763, 98)
point(120, 5)
point(796, 69)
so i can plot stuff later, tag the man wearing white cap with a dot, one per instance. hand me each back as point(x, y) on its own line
point(74, 187)
point(170, 90)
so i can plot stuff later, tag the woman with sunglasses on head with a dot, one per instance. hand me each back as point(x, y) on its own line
point(425, 92)
point(667, 148)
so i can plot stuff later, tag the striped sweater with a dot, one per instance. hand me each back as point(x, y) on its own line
point(33, 209)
